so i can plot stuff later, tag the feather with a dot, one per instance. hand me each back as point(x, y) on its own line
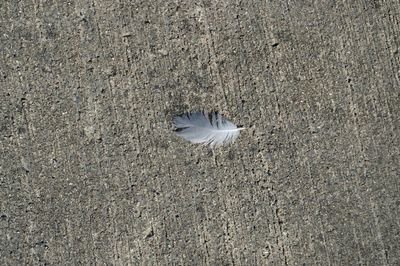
point(207, 129)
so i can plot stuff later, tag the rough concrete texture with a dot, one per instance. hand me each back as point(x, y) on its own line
point(91, 172)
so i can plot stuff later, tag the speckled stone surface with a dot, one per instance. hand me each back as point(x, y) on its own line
point(91, 172)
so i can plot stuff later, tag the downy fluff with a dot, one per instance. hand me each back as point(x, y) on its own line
point(208, 129)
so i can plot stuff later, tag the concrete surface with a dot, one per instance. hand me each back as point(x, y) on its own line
point(92, 174)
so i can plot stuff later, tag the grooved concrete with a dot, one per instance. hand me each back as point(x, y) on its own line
point(90, 172)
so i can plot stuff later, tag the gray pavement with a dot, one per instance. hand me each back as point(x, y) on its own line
point(91, 172)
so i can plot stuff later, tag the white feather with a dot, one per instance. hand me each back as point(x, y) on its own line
point(201, 127)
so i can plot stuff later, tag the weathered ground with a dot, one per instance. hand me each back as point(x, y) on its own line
point(91, 172)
